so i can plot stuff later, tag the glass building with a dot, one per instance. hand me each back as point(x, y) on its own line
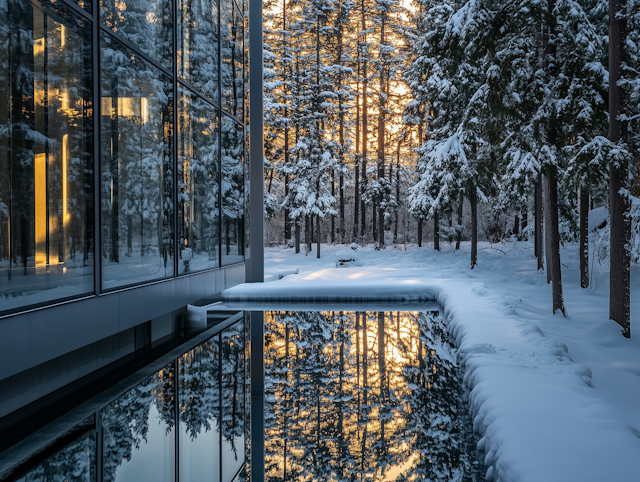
point(122, 149)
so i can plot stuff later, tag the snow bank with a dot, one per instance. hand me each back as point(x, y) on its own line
point(538, 414)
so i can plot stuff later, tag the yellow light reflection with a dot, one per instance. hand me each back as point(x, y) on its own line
point(65, 185)
point(40, 185)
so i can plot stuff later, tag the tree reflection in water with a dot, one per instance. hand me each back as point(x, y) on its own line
point(365, 395)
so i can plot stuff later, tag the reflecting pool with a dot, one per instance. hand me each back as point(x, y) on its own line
point(349, 395)
point(365, 396)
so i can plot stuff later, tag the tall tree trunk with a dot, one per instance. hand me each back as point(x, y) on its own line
point(381, 127)
point(619, 278)
point(516, 225)
point(365, 127)
point(523, 216)
point(374, 221)
point(341, 135)
point(473, 198)
point(307, 233)
point(333, 218)
point(341, 229)
point(356, 192)
point(318, 236)
point(419, 233)
point(459, 237)
point(287, 221)
point(436, 232)
point(538, 224)
point(547, 227)
point(558, 298)
point(584, 237)
point(395, 225)
point(297, 234)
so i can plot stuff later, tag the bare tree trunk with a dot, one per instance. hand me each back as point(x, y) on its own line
point(308, 235)
point(558, 298)
point(538, 224)
point(459, 237)
point(516, 225)
point(584, 238)
point(473, 198)
point(297, 229)
point(547, 226)
point(419, 233)
point(436, 232)
point(619, 278)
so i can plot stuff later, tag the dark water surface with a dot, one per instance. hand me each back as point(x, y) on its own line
point(349, 395)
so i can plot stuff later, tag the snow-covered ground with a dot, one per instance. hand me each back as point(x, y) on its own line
point(554, 398)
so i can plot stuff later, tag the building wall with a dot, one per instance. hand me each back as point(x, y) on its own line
point(122, 167)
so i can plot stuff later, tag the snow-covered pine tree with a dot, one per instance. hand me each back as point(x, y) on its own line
point(313, 159)
point(446, 73)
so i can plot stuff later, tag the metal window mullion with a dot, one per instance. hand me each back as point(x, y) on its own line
point(136, 50)
point(220, 134)
point(176, 413)
point(175, 145)
point(79, 9)
point(97, 174)
point(197, 93)
point(98, 431)
point(220, 402)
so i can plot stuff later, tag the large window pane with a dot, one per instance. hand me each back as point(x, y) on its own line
point(138, 432)
point(146, 24)
point(198, 208)
point(198, 45)
point(137, 168)
point(232, 192)
point(231, 68)
point(233, 413)
point(199, 395)
point(75, 462)
point(46, 158)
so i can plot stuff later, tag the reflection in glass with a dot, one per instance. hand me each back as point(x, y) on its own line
point(46, 161)
point(233, 423)
point(199, 398)
point(198, 45)
point(74, 463)
point(138, 438)
point(365, 396)
point(198, 208)
point(137, 167)
point(146, 24)
point(232, 192)
point(232, 65)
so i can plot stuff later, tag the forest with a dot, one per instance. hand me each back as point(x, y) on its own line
point(392, 122)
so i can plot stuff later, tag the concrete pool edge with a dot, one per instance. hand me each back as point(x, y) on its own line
point(535, 409)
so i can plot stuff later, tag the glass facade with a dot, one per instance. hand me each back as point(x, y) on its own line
point(184, 422)
point(128, 154)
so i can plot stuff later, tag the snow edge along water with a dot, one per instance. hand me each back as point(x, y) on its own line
point(539, 417)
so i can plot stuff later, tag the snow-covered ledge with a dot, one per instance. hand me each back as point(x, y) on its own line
point(539, 417)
